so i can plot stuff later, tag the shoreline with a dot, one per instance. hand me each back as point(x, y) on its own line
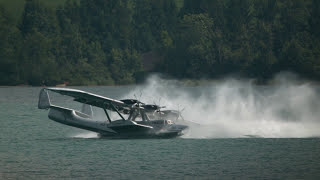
point(185, 82)
point(30, 86)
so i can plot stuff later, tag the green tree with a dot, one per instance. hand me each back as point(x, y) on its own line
point(10, 47)
point(124, 63)
point(38, 64)
point(37, 17)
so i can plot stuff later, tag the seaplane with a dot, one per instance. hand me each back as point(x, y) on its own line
point(135, 119)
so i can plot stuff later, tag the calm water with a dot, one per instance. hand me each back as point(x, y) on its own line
point(34, 147)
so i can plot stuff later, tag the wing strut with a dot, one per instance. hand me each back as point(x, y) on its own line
point(105, 111)
point(117, 111)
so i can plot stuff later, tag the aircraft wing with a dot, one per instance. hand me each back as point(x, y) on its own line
point(93, 99)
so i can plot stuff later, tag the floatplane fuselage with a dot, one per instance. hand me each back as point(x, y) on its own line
point(143, 121)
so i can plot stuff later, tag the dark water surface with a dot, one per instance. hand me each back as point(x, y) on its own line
point(34, 147)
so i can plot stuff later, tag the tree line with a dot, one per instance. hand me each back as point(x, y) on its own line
point(98, 42)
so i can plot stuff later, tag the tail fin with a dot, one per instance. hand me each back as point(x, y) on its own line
point(44, 100)
point(87, 109)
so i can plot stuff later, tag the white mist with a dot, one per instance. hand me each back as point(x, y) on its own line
point(238, 108)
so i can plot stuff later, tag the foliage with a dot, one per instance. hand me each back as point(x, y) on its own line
point(97, 42)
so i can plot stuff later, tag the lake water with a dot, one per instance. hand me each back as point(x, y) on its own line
point(34, 147)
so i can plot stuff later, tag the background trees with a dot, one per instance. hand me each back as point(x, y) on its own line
point(102, 42)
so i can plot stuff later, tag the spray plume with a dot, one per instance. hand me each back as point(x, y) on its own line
point(239, 108)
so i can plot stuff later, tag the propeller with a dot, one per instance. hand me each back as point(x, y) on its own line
point(138, 103)
point(180, 112)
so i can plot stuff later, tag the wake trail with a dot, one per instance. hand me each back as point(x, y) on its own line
point(85, 135)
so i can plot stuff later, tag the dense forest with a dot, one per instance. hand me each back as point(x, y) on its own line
point(99, 42)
